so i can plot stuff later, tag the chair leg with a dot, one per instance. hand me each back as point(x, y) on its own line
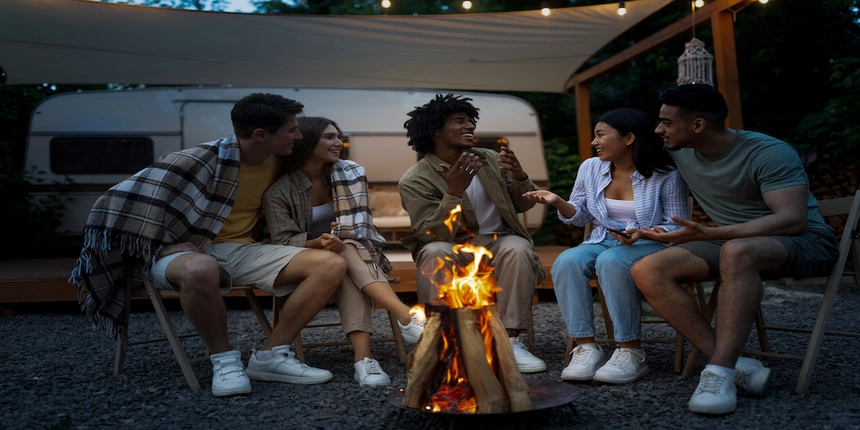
point(817, 335)
point(764, 343)
point(570, 344)
point(178, 351)
point(122, 339)
point(398, 338)
point(530, 331)
point(258, 311)
point(300, 351)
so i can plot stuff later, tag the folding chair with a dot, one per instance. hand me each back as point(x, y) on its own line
point(133, 271)
point(849, 244)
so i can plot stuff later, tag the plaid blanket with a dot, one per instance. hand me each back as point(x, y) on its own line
point(352, 210)
point(184, 197)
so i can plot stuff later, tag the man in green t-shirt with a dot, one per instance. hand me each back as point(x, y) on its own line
point(755, 189)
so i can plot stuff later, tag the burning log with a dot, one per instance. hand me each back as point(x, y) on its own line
point(424, 369)
point(510, 376)
point(489, 393)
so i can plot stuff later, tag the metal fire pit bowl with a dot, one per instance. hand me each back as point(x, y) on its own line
point(545, 394)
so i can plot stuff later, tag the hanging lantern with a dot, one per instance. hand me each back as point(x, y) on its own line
point(695, 65)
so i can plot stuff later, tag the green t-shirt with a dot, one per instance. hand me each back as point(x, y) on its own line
point(729, 186)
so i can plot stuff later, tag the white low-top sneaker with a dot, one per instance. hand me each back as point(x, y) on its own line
point(625, 366)
point(369, 372)
point(526, 362)
point(716, 393)
point(228, 374)
point(412, 332)
point(284, 367)
point(752, 376)
point(584, 362)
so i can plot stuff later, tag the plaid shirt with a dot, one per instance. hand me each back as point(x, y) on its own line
point(656, 200)
point(184, 197)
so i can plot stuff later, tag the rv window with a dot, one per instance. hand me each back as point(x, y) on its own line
point(494, 143)
point(102, 154)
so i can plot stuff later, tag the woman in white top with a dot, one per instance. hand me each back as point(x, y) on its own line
point(632, 184)
point(321, 202)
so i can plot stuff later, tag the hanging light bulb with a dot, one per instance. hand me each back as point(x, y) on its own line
point(621, 9)
point(700, 3)
point(386, 4)
point(467, 5)
point(762, 1)
point(544, 9)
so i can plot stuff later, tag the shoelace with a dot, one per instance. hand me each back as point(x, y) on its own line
point(710, 382)
point(622, 356)
point(581, 354)
point(370, 367)
point(519, 348)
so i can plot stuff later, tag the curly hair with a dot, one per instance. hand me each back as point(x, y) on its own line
point(424, 121)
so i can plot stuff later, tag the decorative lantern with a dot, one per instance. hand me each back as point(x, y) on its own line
point(695, 65)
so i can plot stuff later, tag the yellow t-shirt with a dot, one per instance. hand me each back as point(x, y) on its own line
point(247, 202)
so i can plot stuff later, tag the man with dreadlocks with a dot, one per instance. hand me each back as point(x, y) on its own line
point(489, 188)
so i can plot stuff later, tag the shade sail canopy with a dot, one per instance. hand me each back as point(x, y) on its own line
point(81, 42)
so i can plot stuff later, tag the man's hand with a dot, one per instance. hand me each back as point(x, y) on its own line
point(543, 197)
point(690, 231)
point(508, 163)
point(460, 175)
point(178, 247)
point(331, 242)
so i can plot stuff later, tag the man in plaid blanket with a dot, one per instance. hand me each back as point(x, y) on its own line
point(189, 218)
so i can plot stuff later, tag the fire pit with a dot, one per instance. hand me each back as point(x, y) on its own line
point(464, 362)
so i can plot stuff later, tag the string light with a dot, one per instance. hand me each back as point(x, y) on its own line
point(700, 3)
point(386, 4)
point(762, 1)
point(621, 9)
point(544, 9)
point(467, 5)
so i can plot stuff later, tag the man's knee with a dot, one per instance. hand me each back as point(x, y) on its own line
point(646, 272)
point(195, 273)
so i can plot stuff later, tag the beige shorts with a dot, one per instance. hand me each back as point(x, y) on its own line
point(257, 264)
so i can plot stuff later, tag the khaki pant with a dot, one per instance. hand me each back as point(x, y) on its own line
point(515, 265)
point(355, 306)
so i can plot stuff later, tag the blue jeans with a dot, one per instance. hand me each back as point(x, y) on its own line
point(610, 260)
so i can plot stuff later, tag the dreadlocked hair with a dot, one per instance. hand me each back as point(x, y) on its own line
point(424, 121)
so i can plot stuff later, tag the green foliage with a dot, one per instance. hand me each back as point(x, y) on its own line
point(835, 129)
point(30, 222)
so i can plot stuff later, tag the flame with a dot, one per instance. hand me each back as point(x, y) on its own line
point(472, 286)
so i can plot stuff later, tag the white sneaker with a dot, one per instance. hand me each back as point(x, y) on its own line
point(716, 393)
point(752, 375)
point(626, 366)
point(283, 367)
point(412, 332)
point(228, 374)
point(369, 372)
point(526, 362)
point(584, 361)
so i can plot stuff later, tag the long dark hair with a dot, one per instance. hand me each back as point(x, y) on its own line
point(648, 153)
point(312, 128)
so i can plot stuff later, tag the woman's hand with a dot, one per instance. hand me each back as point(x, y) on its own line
point(634, 234)
point(331, 242)
point(543, 197)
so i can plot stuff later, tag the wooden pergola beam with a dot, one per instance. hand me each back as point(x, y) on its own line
point(718, 13)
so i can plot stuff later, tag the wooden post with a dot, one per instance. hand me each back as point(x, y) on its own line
point(727, 65)
point(583, 120)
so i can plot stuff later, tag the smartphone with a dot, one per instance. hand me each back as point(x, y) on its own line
point(619, 232)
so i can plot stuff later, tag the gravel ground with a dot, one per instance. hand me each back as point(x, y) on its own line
point(55, 372)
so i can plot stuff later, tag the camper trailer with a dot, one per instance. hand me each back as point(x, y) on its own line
point(99, 138)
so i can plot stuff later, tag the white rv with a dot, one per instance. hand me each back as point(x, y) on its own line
point(99, 138)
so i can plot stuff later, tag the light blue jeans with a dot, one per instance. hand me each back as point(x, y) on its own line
point(610, 260)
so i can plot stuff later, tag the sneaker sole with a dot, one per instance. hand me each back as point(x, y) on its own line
point(609, 380)
point(533, 368)
point(713, 409)
point(760, 381)
point(277, 377)
point(369, 384)
point(231, 392)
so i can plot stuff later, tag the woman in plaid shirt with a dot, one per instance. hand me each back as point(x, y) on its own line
point(631, 184)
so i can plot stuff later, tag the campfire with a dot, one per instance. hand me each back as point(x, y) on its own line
point(463, 362)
